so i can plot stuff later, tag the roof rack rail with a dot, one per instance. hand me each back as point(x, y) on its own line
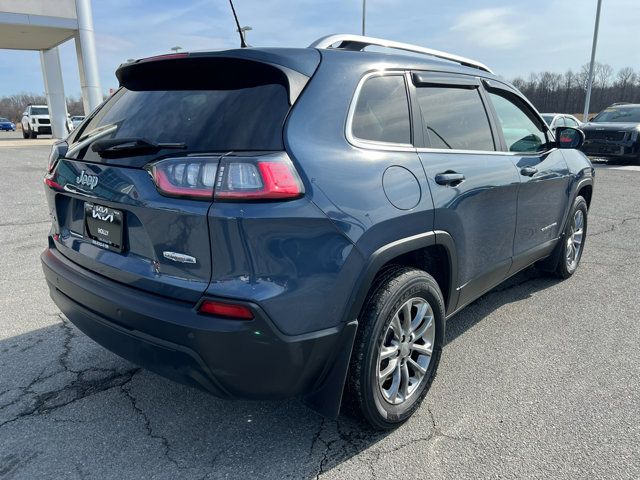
point(358, 43)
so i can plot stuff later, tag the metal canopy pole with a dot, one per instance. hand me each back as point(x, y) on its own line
point(54, 89)
point(591, 65)
point(87, 59)
point(364, 14)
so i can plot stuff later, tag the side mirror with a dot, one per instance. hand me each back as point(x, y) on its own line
point(569, 137)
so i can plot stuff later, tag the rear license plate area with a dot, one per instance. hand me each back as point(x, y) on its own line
point(104, 226)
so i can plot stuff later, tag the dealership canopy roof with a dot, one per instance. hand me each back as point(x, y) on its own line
point(42, 25)
point(37, 24)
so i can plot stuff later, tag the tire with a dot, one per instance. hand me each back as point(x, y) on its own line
point(25, 133)
point(32, 134)
point(569, 252)
point(373, 400)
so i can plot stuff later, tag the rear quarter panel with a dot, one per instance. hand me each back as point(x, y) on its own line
point(345, 181)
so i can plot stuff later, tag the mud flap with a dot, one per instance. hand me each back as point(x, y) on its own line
point(326, 398)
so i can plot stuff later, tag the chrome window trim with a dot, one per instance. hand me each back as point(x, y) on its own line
point(485, 152)
point(372, 144)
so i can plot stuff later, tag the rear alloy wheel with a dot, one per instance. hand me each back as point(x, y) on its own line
point(397, 348)
point(406, 351)
point(572, 243)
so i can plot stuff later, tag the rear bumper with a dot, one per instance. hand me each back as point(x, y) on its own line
point(229, 358)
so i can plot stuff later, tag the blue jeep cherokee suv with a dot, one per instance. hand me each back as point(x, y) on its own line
point(268, 223)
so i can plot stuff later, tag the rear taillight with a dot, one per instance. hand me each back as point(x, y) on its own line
point(191, 177)
point(58, 151)
point(227, 310)
point(230, 178)
point(265, 177)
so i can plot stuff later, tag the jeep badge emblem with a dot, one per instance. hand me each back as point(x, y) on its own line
point(87, 180)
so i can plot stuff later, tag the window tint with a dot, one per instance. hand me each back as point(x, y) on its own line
point(455, 118)
point(205, 120)
point(520, 131)
point(382, 111)
point(619, 114)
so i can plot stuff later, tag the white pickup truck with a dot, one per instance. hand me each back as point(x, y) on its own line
point(36, 121)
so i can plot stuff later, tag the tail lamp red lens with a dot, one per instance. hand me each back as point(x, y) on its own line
point(227, 310)
point(58, 151)
point(231, 178)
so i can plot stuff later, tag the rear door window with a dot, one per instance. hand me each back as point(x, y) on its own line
point(382, 111)
point(455, 118)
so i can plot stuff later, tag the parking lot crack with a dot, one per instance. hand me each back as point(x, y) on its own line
point(78, 389)
point(612, 227)
point(148, 428)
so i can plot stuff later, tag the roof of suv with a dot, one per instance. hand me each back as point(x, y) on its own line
point(305, 60)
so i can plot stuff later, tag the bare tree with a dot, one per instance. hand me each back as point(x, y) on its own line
point(12, 106)
point(552, 92)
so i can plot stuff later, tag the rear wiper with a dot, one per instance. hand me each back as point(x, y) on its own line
point(114, 147)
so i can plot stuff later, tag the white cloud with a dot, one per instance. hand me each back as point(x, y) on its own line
point(489, 28)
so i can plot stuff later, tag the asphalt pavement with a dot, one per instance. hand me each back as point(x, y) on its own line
point(539, 379)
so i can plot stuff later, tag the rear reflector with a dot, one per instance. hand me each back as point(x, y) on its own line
point(228, 310)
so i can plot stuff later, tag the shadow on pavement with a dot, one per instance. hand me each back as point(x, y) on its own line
point(67, 405)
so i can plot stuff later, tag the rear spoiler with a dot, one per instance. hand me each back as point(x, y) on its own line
point(222, 70)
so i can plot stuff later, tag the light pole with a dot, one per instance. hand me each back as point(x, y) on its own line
point(591, 65)
point(364, 14)
point(243, 31)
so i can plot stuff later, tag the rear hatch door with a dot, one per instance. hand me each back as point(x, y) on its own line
point(109, 215)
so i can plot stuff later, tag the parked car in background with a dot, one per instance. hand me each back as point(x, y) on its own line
point(304, 221)
point(555, 120)
point(7, 125)
point(36, 121)
point(614, 133)
point(74, 121)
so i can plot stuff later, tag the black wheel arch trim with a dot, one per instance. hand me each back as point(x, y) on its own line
point(326, 396)
point(388, 252)
point(583, 182)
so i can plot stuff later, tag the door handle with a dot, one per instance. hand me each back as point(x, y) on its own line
point(449, 178)
point(528, 171)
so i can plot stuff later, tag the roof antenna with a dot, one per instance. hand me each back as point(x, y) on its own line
point(243, 44)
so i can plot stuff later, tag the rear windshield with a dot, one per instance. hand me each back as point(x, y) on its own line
point(619, 115)
point(226, 111)
point(39, 111)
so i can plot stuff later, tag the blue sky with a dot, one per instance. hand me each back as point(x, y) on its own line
point(513, 38)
